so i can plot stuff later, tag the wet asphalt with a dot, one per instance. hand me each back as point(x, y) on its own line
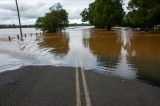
point(38, 86)
point(56, 86)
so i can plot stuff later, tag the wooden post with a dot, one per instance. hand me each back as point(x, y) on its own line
point(31, 34)
point(18, 37)
point(22, 39)
point(36, 33)
point(25, 35)
point(9, 38)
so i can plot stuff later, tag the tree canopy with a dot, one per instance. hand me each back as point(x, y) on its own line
point(143, 13)
point(104, 13)
point(55, 20)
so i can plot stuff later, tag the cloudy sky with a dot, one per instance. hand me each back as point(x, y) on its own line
point(30, 10)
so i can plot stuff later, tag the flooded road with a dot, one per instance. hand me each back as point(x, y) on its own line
point(128, 54)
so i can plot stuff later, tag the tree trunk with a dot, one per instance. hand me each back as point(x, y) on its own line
point(146, 29)
point(108, 28)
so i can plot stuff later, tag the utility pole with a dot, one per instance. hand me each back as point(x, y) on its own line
point(19, 19)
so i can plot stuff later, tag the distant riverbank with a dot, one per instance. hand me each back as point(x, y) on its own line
point(33, 26)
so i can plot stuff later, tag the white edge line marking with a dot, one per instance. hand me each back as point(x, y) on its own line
point(86, 91)
point(78, 94)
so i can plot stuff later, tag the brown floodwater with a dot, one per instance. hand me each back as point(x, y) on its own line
point(121, 52)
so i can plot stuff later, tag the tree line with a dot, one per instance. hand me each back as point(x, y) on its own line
point(105, 14)
point(144, 14)
point(16, 26)
point(4, 26)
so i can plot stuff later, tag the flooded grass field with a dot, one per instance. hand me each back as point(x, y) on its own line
point(121, 52)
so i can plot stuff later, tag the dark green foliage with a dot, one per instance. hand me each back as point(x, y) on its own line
point(143, 13)
point(104, 13)
point(55, 20)
point(84, 14)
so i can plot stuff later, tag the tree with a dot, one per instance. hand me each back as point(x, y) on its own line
point(84, 14)
point(143, 13)
point(104, 13)
point(55, 20)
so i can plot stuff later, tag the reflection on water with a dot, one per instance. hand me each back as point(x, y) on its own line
point(106, 46)
point(58, 42)
point(144, 54)
point(119, 52)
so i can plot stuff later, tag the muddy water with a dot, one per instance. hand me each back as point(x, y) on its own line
point(120, 52)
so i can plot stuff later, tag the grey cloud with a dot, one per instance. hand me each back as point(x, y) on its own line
point(30, 10)
point(8, 6)
point(6, 15)
point(74, 14)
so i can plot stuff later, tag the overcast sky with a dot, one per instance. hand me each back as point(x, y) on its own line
point(30, 10)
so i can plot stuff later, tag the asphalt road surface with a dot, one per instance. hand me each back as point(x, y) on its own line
point(65, 86)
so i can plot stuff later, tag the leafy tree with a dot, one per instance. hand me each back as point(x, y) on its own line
point(55, 20)
point(84, 14)
point(104, 13)
point(143, 13)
